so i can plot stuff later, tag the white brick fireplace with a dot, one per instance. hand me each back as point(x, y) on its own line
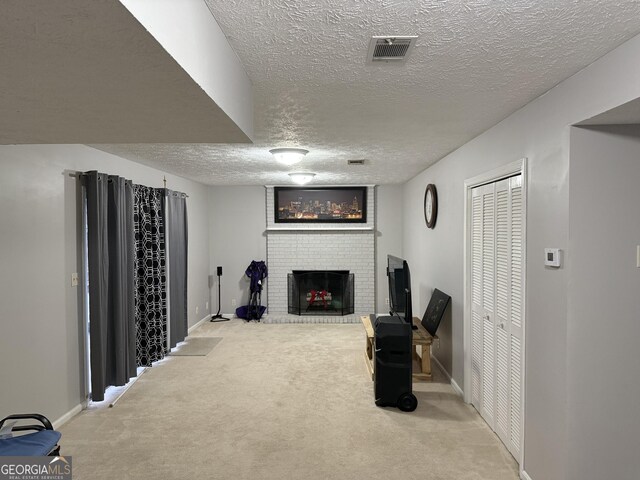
point(320, 247)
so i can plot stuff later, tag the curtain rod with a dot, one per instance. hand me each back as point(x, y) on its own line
point(81, 174)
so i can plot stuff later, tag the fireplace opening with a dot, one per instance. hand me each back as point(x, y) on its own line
point(320, 292)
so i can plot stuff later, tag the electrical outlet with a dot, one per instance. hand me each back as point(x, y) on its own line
point(233, 302)
point(207, 306)
point(638, 257)
point(74, 279)
point(386, 301)
point(197, 308)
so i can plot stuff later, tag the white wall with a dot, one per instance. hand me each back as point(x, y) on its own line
point(41, 343)
point(237, 224)
point(188, 31)
point(388, 237)
point(540, 132)
point(604, 304)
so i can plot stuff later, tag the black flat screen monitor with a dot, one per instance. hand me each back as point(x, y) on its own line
point(399, 288)
point(435, 310)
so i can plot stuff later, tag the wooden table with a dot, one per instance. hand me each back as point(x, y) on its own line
point(422, 365)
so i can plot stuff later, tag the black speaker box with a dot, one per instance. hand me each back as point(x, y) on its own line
point(392, 368)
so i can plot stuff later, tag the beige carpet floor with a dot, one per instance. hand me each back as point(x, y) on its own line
point(280, 402)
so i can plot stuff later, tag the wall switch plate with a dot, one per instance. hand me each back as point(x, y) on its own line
point(74, 279)
point(197, 309)
point(207, 306)
point(552, 257)
point(638, 256)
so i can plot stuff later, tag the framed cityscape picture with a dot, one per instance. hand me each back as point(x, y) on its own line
point(320, 204)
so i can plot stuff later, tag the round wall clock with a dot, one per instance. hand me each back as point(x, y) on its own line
point(430, 205)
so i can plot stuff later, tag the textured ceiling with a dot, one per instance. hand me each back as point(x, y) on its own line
point(475, 62)
point(73, 71)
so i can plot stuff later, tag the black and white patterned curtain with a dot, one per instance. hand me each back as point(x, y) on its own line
point(150, 275)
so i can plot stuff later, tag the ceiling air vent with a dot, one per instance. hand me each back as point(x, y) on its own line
point(390, 48)
point(355, 162)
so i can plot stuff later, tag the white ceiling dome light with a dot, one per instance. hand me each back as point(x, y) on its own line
point(302, 178)
point(289, 156)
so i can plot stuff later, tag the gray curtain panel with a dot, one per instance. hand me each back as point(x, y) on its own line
point(111, 300)
point(150, 281)
point(176, 221)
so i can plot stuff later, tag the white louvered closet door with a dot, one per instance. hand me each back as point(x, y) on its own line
point(496, 310)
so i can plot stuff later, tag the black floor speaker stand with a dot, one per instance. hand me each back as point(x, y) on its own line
point(217, 317)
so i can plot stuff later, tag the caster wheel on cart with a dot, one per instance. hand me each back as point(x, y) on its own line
point(407, 402)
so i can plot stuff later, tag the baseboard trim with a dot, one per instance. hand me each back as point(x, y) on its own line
point(200, 322)
point(453, 383)
point(457, 388)
point(68, 416)
point(524, 475)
